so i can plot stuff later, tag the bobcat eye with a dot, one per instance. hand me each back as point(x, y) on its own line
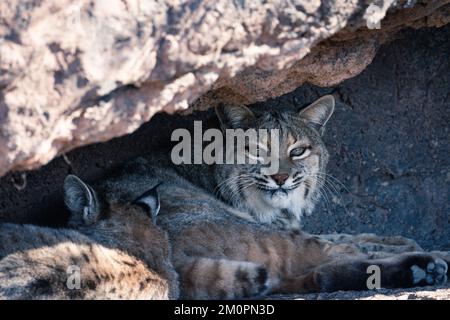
point(300, 153)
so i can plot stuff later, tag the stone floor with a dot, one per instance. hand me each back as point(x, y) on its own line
point(423, 293)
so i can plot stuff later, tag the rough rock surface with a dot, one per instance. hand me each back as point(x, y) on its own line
point(78, 72)
point(424, 293)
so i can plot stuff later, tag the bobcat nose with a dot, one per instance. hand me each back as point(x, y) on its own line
point(280, 178)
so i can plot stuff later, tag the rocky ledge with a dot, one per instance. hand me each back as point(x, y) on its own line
point(77, 72)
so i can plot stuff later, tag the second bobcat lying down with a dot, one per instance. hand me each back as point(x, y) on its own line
point(117, 251)
point(225, 246)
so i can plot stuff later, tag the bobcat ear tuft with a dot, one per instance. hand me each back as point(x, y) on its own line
point(81, 200)
point(319, 112)
point(150, 200)
point(233, 116)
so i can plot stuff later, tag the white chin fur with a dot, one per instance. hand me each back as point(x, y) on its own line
point(293, 201)
point(266, 206)
point(279, 200)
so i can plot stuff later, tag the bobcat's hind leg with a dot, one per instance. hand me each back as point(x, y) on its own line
point(399, 271)
point(205, 278)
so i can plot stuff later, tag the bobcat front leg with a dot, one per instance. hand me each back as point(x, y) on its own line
point(205, 278)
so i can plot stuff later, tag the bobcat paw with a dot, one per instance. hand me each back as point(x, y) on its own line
point(434, 273)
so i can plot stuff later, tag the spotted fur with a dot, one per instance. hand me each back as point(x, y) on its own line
point(245, 243)
point(119, 253)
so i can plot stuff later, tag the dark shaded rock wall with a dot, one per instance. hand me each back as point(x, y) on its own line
point(389, 144)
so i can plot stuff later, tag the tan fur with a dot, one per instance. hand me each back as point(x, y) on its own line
point(218, 255)
point(110, 255)
point(295, 263)
point(236, 237)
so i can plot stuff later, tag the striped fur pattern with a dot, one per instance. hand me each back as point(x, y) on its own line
point(116, 250)
point(219, 255)
point(230, 241)
point(221, 252)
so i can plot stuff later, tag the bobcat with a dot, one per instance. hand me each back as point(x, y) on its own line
point(117, 251)
point(235, 231)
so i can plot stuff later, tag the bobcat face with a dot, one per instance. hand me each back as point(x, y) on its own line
point(301, 158)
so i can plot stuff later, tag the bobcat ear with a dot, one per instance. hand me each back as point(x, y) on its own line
point(319, 112)
point(150, 201)
point(81, 200)
point(232, 116)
